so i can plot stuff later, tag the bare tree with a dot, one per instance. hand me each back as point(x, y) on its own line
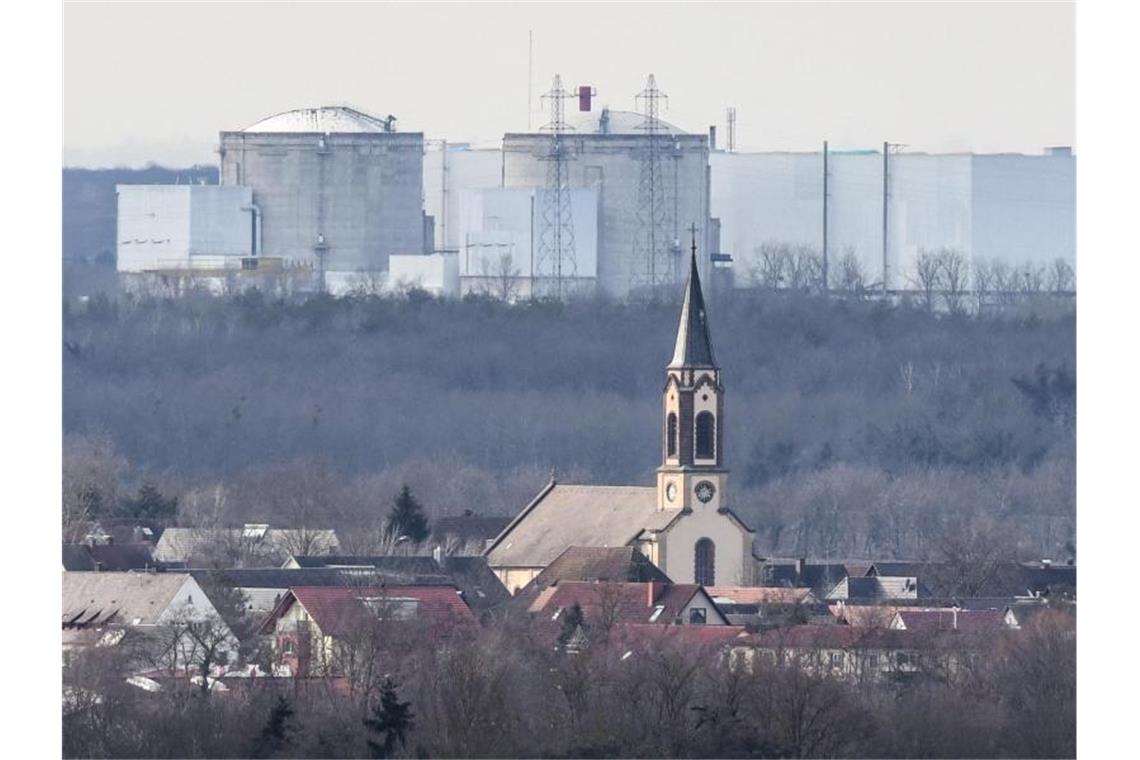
point(769, 265)
point(852, 277)
point(502, 277)
point(983, 285)
point(927, 276)
point(1062, 278)
point(954, 277)
point(91, 474)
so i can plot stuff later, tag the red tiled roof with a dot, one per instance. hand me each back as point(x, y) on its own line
point(686, 635)
point(336, 609)
point(619, 602)
point(854, 637)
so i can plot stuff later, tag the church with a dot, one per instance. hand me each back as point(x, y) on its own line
point(683, 524)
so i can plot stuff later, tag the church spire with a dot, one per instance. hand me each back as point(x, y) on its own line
point(693, 347)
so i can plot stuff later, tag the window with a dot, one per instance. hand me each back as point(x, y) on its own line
point(873, 661)
point(671, 435)
point(706, 435)
point(698, 616)
point(287, 646)
point(837, 660)
point(704, 571)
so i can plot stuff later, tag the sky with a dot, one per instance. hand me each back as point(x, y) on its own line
point(156, 82)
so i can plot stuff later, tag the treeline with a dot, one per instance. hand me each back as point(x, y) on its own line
point(503, 694)
point(853, 428)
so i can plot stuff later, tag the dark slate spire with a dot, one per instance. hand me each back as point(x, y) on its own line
point(693, 347)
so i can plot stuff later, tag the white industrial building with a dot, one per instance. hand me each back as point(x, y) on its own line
point(1017, 209)
point(500, 231)
point(176, 227)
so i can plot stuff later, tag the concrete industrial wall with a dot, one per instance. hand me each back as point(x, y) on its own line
point(445, 180)
point(610, 164)
point(164, 226)
point(1012, 208)
point(363, 192)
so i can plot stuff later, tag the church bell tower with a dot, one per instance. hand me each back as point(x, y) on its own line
point(692, 477)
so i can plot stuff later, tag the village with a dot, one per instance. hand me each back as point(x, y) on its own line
point(627, 573)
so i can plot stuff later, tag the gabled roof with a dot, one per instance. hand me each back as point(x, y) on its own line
point(807, 637)
point(110, 557)
point(612, 603)
point(761, 595)
point(623, 564)
point(694, 346)
point(277, 578)
point(337, 610)
point(466, 528)
point(569, 515)
point(272, 544)
point(129, 598)
point(411, 566)
point(875, 587)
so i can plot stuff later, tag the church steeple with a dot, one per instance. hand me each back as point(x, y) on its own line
point(692, 474)
point(693, 347)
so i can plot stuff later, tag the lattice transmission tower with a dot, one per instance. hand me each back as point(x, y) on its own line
point(555, 263)
point(653, 262)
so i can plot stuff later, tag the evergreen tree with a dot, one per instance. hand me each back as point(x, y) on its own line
point(151, 504)
point(275, 734)
point(406, 518)
point(391, 719)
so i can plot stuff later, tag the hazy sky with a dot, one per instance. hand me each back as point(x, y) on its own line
point(157, 81)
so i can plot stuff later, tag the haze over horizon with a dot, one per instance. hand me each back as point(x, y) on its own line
point(156, 82)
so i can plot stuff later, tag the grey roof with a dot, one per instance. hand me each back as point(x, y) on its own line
point(694, 346)
point(273, 545)
point(468, 527)
point(270, 577)
point(571, 515)
point(110, 557)
point(133, 598)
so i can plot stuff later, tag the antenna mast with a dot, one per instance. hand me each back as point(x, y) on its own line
point(651, 265)
point(556, 258)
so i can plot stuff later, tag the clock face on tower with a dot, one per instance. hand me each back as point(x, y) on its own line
point(671, 491)
point(705, 491)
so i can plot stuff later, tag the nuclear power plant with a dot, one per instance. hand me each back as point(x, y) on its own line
point(593, 200)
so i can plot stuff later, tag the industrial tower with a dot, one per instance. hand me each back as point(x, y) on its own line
point(555, 261)
point(655, 249)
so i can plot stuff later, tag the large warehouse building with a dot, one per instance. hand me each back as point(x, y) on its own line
point(1010, 208)
point(337, 189)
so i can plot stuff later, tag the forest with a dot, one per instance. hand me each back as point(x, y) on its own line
point(854, 427)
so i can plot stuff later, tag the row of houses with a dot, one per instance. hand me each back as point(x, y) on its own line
point(313, 617)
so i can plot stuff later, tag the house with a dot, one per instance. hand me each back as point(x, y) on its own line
point(478, 584)
point(263, 587)
point(684, 524)
point(607, 604)
point(168, 617)
point(759, 606)
point(859, 653)
point(324, 630)
point(621, 564)
point(928, 620)
point(253, 545)
point(468, 533)
point(875, 588)
point(820, 577)
point(108, 557)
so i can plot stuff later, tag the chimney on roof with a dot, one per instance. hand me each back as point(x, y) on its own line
point(712, 137)
point(954, 617)
point(1046, 563)
point(654, 589)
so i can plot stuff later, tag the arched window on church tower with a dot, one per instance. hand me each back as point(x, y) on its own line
point(704, 570)
point(706, 435)
point(671, 435)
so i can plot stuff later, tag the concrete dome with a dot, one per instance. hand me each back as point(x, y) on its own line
point(323, 120)
point(607, 121)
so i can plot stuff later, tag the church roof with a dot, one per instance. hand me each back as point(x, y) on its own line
point(693, 347)
point(570, 515)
